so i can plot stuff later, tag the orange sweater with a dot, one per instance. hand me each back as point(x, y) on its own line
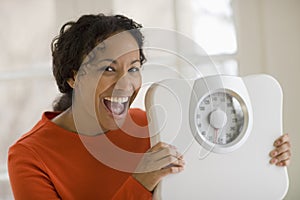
point(50, 162)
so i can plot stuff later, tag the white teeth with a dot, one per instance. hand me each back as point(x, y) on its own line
point(117, 99)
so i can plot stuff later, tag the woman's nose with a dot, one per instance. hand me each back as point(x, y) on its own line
point(124, 83)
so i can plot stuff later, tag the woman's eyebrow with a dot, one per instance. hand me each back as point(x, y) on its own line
point(137, 60)
point(115, 62)
point(108, 60)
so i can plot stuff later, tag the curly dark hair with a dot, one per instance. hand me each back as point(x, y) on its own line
point(77, 39)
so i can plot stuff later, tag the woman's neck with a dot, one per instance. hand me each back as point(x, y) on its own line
point(65, 120)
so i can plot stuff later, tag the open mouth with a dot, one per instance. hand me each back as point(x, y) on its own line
point(116, 105)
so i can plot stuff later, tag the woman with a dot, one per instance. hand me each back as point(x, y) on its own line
point(74, 152)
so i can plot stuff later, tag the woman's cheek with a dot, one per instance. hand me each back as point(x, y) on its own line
point(137, 81)
point(104, 84)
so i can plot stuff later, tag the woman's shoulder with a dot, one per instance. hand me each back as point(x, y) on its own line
point(137, 111)
point(139, 116)
point(42, 131)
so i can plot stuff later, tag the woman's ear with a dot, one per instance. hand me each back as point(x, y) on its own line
point(71, 81)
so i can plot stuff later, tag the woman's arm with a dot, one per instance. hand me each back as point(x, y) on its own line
point(159, 161)
point(133, 190)
point(27, 175)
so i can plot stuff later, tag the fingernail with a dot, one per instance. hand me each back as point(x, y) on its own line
point(274, 160)
point(274, 153)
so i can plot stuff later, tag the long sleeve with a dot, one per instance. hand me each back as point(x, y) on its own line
point(132, 190)
point(50, 162)
point(27, 175)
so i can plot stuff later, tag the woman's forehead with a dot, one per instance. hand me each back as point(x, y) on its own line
point(116, 46)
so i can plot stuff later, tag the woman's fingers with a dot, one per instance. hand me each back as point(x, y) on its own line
point(171, 170)
point(159, 161)
point(158, 146)
point(170, 161)
point(280, 149)
point(167, 151)
point(283, 139)
point(158, 157)
point(151, 179)
point(163, 154)
point(282, 157)
point(282, 153)
point(284, 163)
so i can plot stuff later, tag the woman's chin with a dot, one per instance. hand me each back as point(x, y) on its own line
point(112, 122)
point(115, 125)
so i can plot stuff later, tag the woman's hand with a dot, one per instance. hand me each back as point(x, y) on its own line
point(281, 155)
point(159, 161)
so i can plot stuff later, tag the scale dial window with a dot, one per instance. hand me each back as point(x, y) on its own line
point(221, 118)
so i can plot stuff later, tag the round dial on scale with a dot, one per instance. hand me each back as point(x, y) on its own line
point(220, 118)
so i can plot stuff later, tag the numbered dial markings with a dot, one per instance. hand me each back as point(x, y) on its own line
point(219, 118)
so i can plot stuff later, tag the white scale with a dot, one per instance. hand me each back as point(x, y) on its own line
point(225, 127)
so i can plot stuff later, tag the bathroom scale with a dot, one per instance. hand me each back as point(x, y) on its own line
point(225, 127)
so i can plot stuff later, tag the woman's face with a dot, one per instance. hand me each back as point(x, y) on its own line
point(113, 78)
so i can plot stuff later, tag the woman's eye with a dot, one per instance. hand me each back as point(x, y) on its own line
point(134, 69)
point(107, 68)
